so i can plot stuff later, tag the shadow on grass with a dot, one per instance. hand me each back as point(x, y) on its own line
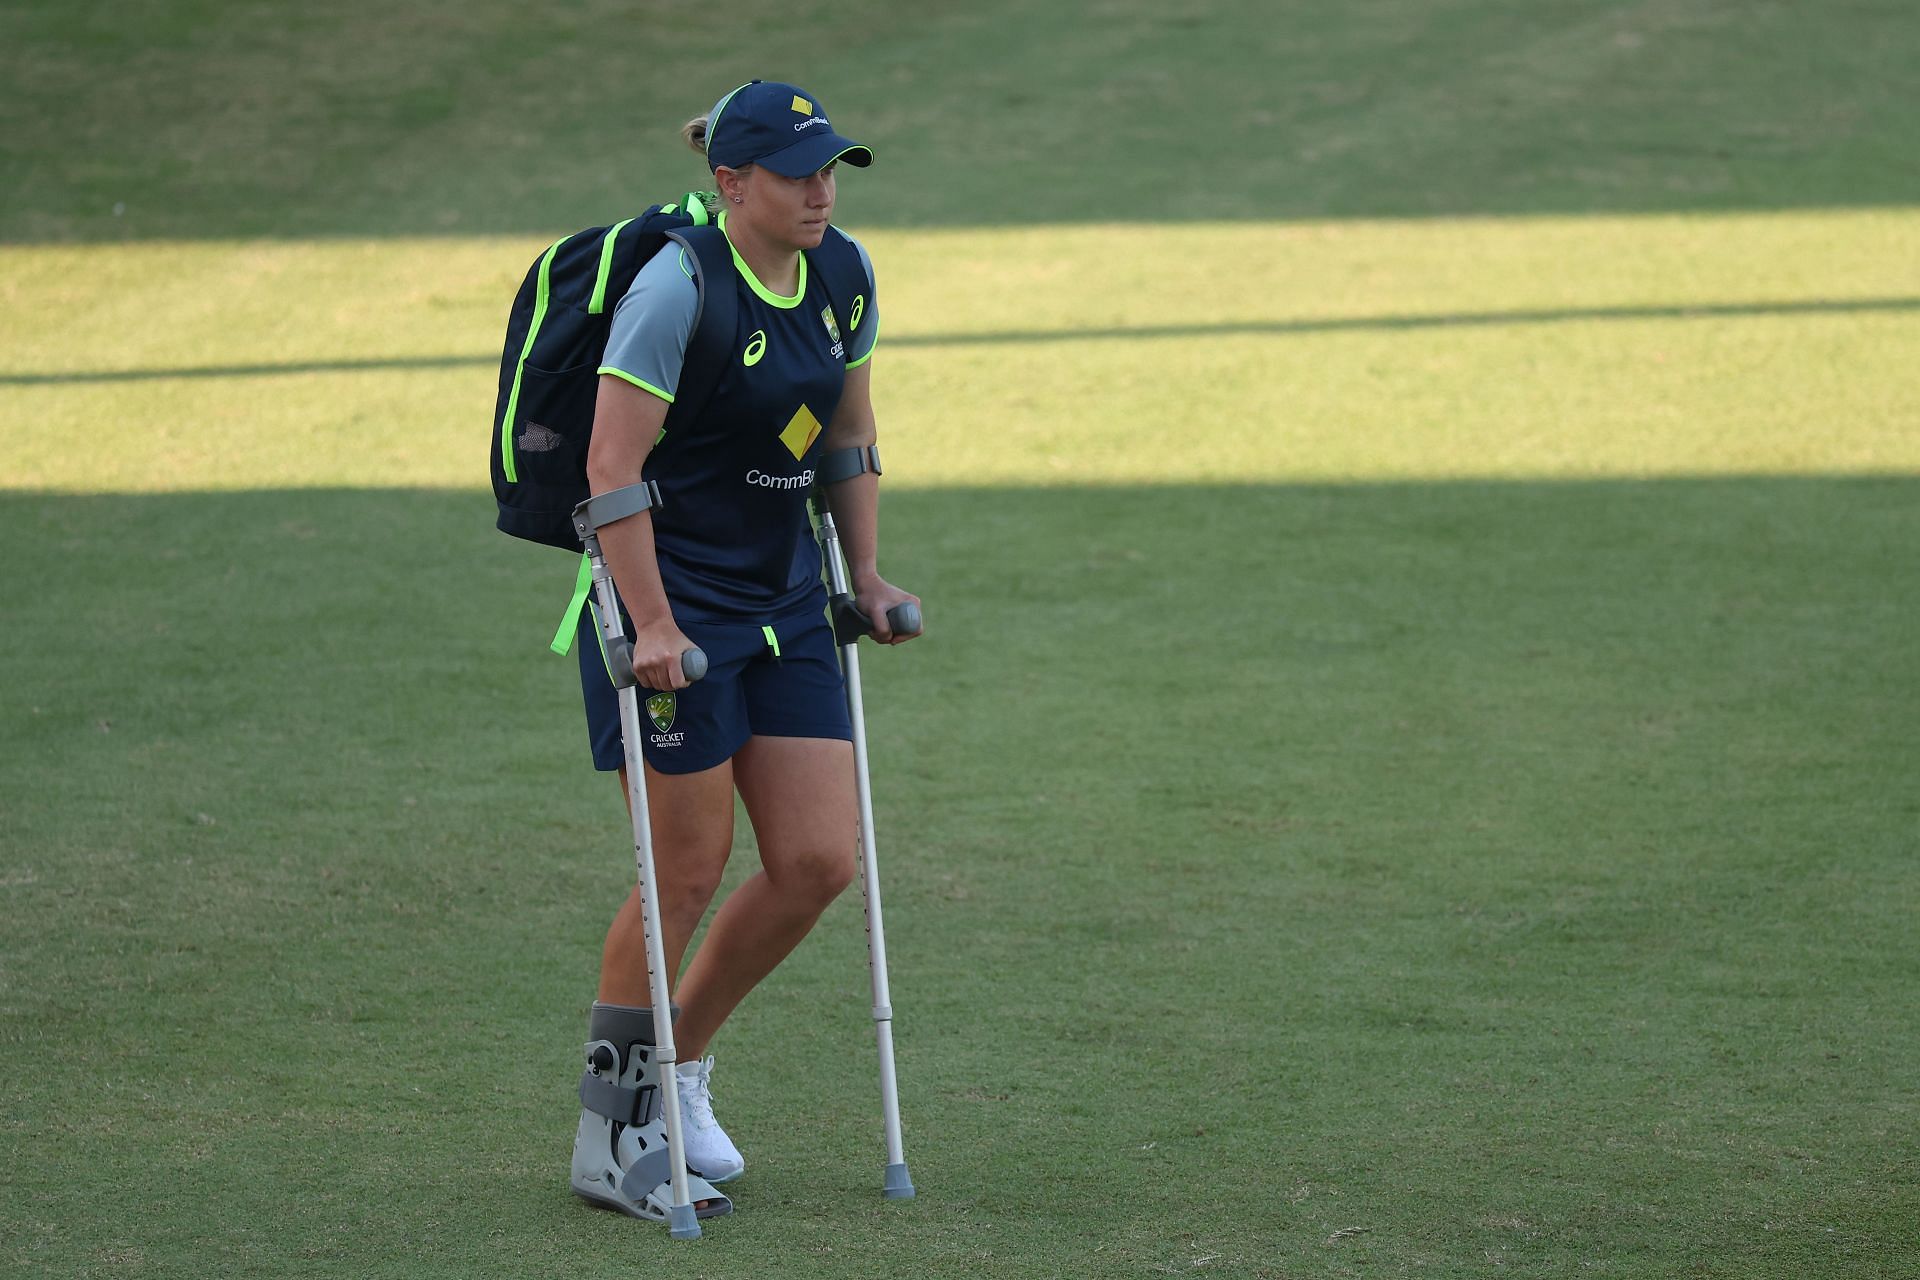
point(279, 598)
point(1548, 832)
point(1340, 324)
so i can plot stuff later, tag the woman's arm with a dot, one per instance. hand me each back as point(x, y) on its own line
point(855, 504)
point(626, 422)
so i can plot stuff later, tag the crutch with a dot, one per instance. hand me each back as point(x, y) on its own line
point(588, 518)
point(849, 624)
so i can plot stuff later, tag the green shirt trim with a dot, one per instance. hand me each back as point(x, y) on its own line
point(644, 385)
point(767, 295)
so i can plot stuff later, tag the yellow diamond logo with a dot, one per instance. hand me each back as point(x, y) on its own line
point(801, 105)
point(802, 430)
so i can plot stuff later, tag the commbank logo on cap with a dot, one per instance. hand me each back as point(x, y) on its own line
point(801, 105)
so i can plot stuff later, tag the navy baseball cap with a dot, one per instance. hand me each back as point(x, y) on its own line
point(780, 126)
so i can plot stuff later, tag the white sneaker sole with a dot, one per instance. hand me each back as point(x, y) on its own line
point(719, 1180)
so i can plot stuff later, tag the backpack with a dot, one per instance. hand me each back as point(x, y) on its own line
point(557, 333)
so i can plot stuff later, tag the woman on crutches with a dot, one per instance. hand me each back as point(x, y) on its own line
point(725, 564)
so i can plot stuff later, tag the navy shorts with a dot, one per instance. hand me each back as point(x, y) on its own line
point(781, 680)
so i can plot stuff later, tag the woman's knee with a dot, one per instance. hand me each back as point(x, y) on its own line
point(692, 818)
point(817, 874)
point(691, 886)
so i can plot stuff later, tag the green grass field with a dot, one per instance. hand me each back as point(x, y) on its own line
point(1412, 767)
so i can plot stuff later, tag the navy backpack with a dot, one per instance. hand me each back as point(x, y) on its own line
point(557, 333)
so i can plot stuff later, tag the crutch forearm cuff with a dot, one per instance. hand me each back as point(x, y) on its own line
point(603, 509)
point(844, 464)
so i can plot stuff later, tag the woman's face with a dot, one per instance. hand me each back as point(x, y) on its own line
point(790, 211)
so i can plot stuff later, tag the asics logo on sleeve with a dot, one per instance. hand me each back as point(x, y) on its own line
point(756, 347)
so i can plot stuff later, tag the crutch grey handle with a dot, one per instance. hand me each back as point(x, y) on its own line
point(693, 664)
point(849, 624)
point(904, 618)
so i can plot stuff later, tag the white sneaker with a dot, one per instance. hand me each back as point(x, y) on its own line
point(710, 1152)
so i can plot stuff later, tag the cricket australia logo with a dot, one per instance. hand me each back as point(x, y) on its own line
point(833, 330)
point(660, 710)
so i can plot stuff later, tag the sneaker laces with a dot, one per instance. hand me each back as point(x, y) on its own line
point(696, 1095)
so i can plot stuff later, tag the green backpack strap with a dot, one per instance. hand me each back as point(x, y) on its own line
point(570, 621)
point(707, 351)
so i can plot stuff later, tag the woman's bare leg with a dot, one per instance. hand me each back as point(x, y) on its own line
point(799, 794)
point(692, 819)
point(691, 815)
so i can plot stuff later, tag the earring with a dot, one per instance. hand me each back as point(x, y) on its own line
point(737, 199)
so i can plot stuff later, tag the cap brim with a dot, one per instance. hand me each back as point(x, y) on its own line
point(806, 158)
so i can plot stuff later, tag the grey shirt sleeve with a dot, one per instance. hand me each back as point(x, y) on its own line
point(652, 323)
point(866, 334)
point(647, 341)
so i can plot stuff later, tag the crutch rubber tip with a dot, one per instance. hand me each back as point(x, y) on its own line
point(682, 1225)
point(904, 619)
point(895, 1184)
point(693, 665)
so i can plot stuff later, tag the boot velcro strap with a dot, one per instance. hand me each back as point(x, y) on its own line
point(651, 1170)
point(617, 1102)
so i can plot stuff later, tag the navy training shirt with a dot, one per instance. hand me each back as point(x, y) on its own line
point(732, 533)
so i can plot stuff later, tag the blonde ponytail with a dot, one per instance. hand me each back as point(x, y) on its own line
point(695, 132)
